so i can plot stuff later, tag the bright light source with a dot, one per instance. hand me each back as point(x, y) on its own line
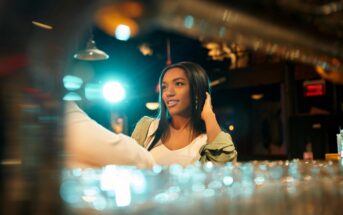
point(113, 92)
point(231, 127)
point(152, 105)
point(123, 32)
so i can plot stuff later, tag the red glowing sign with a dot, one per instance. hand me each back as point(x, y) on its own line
point(314, 88)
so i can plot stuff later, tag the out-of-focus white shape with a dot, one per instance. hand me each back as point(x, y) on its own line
point(123, 32)
point(113, 92)
point(227, 180)
point(72, 96)
point(138, 182)
point(71, 82)
point(152, 105)
point(115, 179)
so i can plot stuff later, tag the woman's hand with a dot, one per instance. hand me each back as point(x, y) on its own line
point(207, 114)
point(207, 111)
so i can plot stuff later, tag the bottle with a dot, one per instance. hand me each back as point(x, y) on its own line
point(308, 154)
point(340, 143)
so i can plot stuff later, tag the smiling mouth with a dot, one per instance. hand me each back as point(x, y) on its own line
point(172, 103)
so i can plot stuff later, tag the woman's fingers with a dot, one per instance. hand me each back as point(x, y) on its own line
point(208, 100)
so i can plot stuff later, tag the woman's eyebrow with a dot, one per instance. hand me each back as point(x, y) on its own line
point(178, 78)
point(175, 79)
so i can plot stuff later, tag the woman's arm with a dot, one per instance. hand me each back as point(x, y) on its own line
point(219, 147)
point(88, 144)
point(207, 114)
point(220, 150)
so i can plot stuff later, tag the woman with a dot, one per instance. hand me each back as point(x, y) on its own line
point(186, 129)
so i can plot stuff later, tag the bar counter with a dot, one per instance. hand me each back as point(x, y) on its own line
point(294, 187)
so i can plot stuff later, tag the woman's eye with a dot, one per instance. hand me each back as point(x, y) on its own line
point(163, 87)
point(179, 84)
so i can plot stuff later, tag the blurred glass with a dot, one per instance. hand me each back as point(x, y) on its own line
point(279, 187)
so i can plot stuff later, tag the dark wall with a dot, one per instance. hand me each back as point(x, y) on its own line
point(319, 131)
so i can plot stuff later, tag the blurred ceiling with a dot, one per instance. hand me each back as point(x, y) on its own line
point(307, 31)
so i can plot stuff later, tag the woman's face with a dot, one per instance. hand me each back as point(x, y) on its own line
point(176, 92)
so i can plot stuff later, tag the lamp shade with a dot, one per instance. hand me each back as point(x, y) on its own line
point(91, 53)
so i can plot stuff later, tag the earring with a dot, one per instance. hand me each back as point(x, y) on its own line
point(196, 102)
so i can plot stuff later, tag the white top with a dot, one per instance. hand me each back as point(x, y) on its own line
point(184, 156)
point(88, 144)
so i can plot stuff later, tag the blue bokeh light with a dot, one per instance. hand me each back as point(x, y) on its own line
point(189, 21)
point(113, 92)
point(71, 82)
point(123, 32)
point(72, 96)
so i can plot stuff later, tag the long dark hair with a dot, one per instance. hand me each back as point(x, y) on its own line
point(199, 85)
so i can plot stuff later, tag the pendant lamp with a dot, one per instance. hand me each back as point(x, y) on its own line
point(91, 53)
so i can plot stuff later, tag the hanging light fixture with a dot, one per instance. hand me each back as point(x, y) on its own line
point(91, 53)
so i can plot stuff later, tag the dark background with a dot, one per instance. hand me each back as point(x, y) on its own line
point(277, 126)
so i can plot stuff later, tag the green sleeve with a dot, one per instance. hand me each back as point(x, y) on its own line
point(220, 150)
point(141, 130)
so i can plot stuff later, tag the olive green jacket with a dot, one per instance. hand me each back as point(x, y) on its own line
point(220, 150)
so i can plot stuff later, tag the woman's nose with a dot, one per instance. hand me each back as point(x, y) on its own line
point(170, 91)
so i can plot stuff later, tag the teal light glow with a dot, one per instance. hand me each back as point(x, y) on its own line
point(93, 92)
point(188, 21)
point(71, 82)
point(113, 92)
point(72, 96)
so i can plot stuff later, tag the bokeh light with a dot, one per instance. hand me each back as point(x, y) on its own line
point(113, 91)
point(72, 96)
point(123, 32)
point(71, 82)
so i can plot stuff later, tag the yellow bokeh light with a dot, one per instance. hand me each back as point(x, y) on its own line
point(108, 18)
